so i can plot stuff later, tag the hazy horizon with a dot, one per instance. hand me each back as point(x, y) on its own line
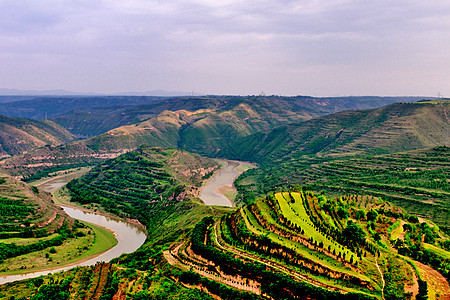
point(334, 48)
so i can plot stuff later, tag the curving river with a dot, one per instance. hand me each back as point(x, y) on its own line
point(129, 238)
point(210, 194)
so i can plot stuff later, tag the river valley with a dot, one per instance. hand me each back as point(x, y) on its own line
point(130, 237)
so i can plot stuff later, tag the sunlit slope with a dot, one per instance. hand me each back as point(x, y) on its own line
point(159, 131)
point(19, 135)
point(91, 116)
point(394, 128)
point(148, 184)
point(315, 248)
point(415, 180)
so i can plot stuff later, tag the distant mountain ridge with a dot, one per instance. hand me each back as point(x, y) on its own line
point(256, 130)
point(87, 116)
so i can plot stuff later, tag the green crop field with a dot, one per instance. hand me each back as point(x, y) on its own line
point(296, 213)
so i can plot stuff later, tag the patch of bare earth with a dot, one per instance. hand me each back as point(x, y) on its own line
point(437, 284)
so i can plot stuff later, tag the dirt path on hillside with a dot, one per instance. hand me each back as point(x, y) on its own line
point(382, 277)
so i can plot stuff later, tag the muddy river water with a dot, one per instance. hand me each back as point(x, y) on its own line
point(226, 176)
point(129, 237)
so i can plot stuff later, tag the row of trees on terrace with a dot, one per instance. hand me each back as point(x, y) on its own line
point(276, 285)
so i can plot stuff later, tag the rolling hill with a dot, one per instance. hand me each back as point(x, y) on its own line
point(144, 184)
point(20, 135)
point(252, 129)
point(393, 128)
point(300, 245)
point(94, 120)
point(317, 225)
point(415, 180)
point(27, 211)
point(87, 116)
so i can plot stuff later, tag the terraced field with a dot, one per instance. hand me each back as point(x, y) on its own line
point(35, 234)
point(316, 247)
point(417, 181)
point(27, 212)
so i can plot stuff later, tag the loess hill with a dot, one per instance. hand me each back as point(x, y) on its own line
point(90, 116)
point(393, 128)
point(27, 211)
point(206, 125)
point(418, 180)
point(316, 223)
point(20, 135)
point(159, 187)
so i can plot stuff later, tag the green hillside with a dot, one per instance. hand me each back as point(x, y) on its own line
point(210, 126)
point(415, 180)
point(353, 205)
point(393, 128)
point(19, 135)
point(149, 184)
point(159, 131)
point(35, 234)
point(203, 125)
point(299, 245)
point(90, 116)
point(157, 186)
point(27, 211)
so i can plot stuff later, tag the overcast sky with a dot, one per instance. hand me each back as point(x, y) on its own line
point(305, 47)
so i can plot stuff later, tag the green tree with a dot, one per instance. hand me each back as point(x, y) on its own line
point(372, 215)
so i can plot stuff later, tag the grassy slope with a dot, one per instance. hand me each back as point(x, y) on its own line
point(27, 210)
point(173, 178)
point(204, 125)
point(19, 135)
point(337, 154)
point(258, 235)
point(42, 222)
point(154, 185)
point(394, 128)
point(415, 180)
point(102, 114)
point(96, 241)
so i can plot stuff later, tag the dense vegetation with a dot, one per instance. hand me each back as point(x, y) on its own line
point(27, 212)
point(393, 128)
point(415, 180)
point(90, 116)
point(10, 250)
point(309, 230)
point(145, 184)
point(35, 234)
point(326, 249)
point(206, 125)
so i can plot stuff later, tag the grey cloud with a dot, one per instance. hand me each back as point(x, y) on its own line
point(220, 46)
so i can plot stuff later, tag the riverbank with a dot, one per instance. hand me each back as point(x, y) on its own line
point(70, 253)
point(219, 189)
point(55, 186)
point(111, 237)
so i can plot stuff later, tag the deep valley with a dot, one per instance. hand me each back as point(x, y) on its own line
point(336, 198)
